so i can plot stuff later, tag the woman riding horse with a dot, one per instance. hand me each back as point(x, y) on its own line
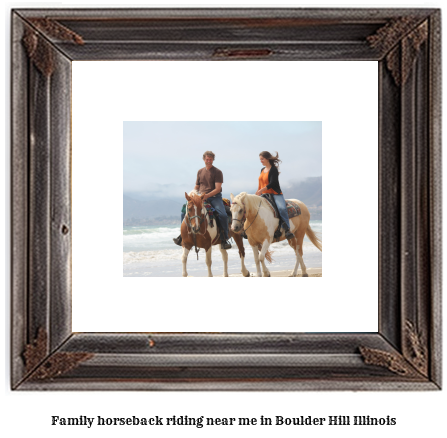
point(255, 217)
point(269, 183)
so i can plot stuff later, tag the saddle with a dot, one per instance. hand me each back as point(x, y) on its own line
point(293, 209)
point(210, 211)
point(212, 216)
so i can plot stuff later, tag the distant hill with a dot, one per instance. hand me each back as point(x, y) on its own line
point(310, 191)
point(151, 211)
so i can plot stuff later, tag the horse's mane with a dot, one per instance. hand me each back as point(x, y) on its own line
point(194, 192)
point(195, 196)
point(251, 201)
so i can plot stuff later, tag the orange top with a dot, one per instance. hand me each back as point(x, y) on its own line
point(263, 181)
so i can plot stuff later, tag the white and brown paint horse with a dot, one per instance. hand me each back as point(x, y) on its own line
point(260, 226)
point(197, 232)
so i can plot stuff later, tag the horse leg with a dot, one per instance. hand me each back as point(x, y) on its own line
point(244, 270)
point(208, 261)
point(301, 260)
point(297, 245)
point(225, 261)
point(184, 259)
point(240, 245)
point(265, 247)
point(256, 255)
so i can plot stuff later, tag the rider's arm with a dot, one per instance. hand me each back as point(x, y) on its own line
point(215, 191)
point(197, 186)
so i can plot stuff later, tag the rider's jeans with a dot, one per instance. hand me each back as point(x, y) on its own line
point(218, 205)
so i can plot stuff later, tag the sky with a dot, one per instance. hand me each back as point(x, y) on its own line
point(162, 158)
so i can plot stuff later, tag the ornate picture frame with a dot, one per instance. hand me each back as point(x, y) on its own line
point(405, 353)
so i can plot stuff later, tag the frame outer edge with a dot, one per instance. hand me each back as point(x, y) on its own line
point(29, 196)
point(435, 138)
point(19, 199)
point(349, 13)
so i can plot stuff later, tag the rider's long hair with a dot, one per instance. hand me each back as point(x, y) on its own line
point(273, 160)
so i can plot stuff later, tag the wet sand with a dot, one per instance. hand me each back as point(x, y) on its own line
point(312, 272)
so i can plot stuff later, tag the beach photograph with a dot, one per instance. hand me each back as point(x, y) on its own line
point(161, 161)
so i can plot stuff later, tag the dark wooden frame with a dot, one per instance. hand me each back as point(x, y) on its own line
point(405, 354)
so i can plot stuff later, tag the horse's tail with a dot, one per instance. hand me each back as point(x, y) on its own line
point(314, 238)
point(268, 254)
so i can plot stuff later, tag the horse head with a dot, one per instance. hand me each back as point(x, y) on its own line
point(194, 211)
point(237, 211)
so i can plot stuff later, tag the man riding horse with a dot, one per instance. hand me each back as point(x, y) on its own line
point(209, 181)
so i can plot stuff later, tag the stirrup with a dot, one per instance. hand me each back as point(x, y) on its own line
point(289, 235)
point(225, 245)
point(178, 240)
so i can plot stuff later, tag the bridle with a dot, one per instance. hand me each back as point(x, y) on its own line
point(239, 220)
point(191, 229)
point(190, 218)
point(244, 216)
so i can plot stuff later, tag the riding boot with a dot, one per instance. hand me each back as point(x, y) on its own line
point(178, 240)
point(277, 234)
point(289, 235)
point(225, 245)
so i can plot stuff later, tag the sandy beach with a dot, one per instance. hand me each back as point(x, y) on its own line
point(312, 272)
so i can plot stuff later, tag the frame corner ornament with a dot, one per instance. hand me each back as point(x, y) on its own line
point(41, 366)
point(394, 362)
point(416, 348)
point(39, 49)
point(59, 364)
point(400, 56)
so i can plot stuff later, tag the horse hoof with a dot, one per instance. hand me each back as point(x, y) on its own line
point(305, 275)
point(266, 275)
point(291, 275)
point(248, 274)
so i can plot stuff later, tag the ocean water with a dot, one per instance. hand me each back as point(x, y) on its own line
point(149, 251)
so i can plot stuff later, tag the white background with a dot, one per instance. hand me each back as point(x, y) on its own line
point(340, 301)
point(418, 414)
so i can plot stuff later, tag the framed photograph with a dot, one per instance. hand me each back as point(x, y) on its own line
point(154, 202)
point(139, 333)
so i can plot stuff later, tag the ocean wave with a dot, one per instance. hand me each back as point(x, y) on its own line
point(138, 231)
point(278, 249)
point(155, 243)
point(142, 256)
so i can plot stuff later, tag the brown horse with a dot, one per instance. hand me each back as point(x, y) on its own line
point(197, 232)
point(260, 225)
